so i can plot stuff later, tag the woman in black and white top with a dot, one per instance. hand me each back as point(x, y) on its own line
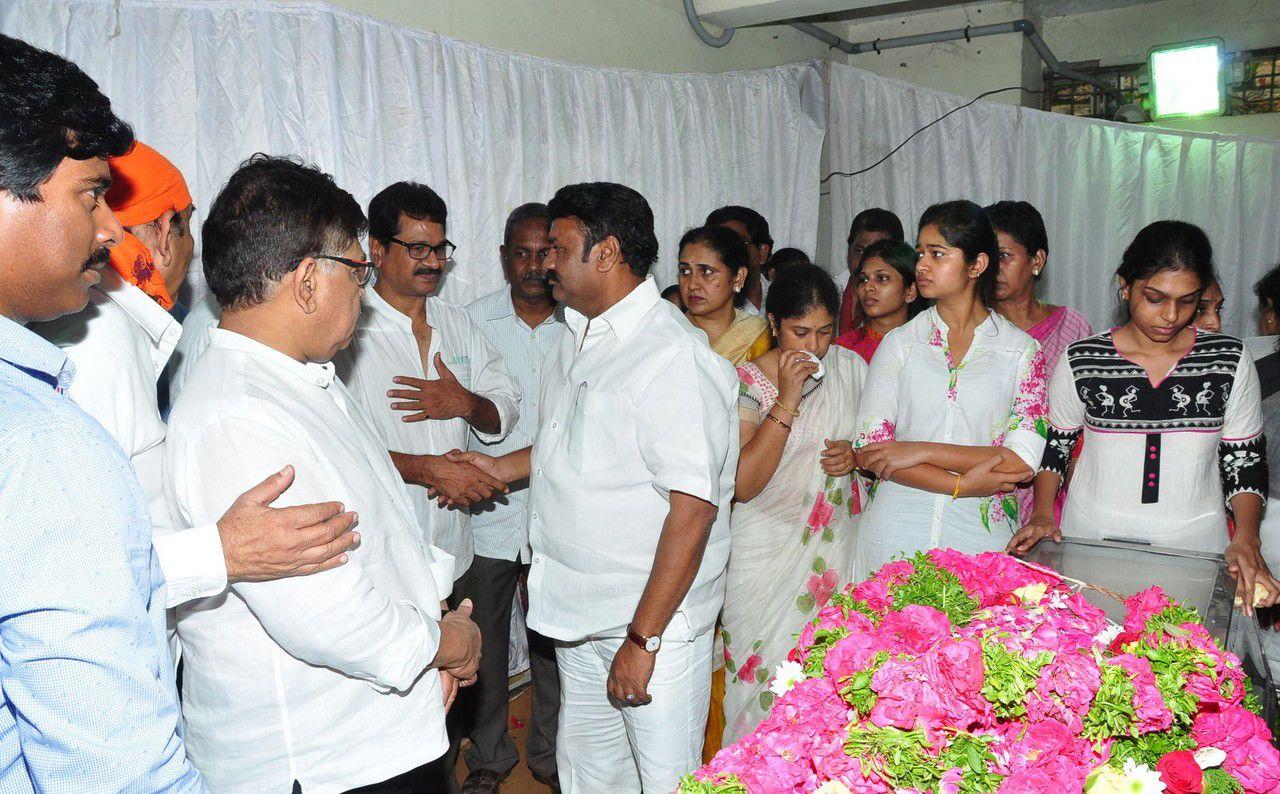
point(1172, 418)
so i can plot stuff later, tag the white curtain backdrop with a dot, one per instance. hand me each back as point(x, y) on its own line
point(1096, 183)
point(209, 82)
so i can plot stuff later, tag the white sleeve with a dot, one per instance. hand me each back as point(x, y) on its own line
point(491, 380)
point(336, 618)
point(684, 419)
point(1028, 416)
point(878, 403)
point(192, 562)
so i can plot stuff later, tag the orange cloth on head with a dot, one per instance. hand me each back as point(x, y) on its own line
point(144, 186)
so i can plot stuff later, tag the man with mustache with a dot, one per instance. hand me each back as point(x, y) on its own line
point(752, 227)
point(90, 703)
point(631, 471)
point(523, 323)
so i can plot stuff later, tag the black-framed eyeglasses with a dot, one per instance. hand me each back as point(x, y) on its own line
point(366, 273)
point(420, 251)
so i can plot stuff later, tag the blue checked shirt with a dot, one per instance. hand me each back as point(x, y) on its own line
point(87, 685)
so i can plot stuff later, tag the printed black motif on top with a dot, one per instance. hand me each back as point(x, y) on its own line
point(1118, 396)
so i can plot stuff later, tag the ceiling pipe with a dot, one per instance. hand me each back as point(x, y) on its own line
point(1023, 26)
point(704, 34)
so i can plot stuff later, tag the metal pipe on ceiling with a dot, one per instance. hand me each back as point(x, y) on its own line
point(1024, 26)
point(700, 29)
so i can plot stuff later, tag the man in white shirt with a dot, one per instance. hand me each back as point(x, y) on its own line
point(522, 322)
point(315, 683)
point(752, 227)
point(428, 377)
point(424, 370)
point(632, 473)
point(121, 342)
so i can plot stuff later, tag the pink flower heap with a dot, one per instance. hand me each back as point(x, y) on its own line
point(951, 672)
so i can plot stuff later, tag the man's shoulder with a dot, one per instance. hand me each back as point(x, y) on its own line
point(222, 388)
point(101, 326)
point(484, 306)
point(671, 337)
point(56, 428)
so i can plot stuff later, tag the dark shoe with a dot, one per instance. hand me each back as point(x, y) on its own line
point(483, 781)
point(552, 780)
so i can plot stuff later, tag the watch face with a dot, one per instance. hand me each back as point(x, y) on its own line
point(653, 644)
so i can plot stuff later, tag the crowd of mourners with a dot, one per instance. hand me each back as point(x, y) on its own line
point(277, 546)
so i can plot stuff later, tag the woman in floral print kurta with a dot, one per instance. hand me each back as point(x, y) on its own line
point(798, 503)
point(952, 416)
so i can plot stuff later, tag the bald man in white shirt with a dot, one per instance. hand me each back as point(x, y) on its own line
point(631, 479)
point(324, 683)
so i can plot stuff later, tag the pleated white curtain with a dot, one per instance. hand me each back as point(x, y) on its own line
point(1096, 183)
point(209, 82)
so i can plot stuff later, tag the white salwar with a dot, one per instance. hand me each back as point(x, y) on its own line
point(794, 543)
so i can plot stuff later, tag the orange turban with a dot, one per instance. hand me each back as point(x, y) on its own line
point(144, 185)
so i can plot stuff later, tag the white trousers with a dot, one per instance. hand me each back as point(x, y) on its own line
point(627, 750)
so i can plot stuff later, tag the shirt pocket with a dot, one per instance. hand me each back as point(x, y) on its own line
point(595, 430)
point(459, 363)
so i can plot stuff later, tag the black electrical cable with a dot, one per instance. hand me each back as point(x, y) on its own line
point(895, 149)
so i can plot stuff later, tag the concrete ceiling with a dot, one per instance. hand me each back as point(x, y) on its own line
point(742, 13)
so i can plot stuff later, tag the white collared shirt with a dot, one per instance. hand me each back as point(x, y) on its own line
point(501, 526)
point(120, 344)
point(384, 347)
point(315, 678)
point(634, 405)
point(759, 311)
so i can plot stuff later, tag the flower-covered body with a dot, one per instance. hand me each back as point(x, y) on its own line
point(962, 673)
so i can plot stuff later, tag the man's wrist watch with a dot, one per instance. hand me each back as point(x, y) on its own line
point(647, 644)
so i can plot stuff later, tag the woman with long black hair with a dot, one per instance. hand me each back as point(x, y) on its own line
point(1172, 418)
point(953, 412)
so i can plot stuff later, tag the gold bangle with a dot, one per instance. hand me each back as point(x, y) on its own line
point(955, 494)
point(784, 425)
point(795, 413)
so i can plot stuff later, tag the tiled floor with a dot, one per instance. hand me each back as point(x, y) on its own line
point(521, 781)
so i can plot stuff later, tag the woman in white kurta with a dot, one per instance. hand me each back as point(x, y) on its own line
point(1171, 417)
point(793, 536)
point(953, 412)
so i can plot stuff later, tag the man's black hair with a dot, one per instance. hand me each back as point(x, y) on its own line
point(50, 110)
point(525, 212)
point(273, 213)
point(404, 198)
point(877, 220)
point(757, 227)
point(607, 209)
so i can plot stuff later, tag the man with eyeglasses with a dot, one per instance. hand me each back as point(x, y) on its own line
point(119, 345)
point(340, 680)
point(428, 376)
point(521, 320)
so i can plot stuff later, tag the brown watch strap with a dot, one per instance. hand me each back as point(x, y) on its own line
point(635, 637)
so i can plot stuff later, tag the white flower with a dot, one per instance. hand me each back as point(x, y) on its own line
point(832, 787)
point(785, 677)
point(1142, 779)
point(1108, 634)
point(1209, 757)
point(1031, 594)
